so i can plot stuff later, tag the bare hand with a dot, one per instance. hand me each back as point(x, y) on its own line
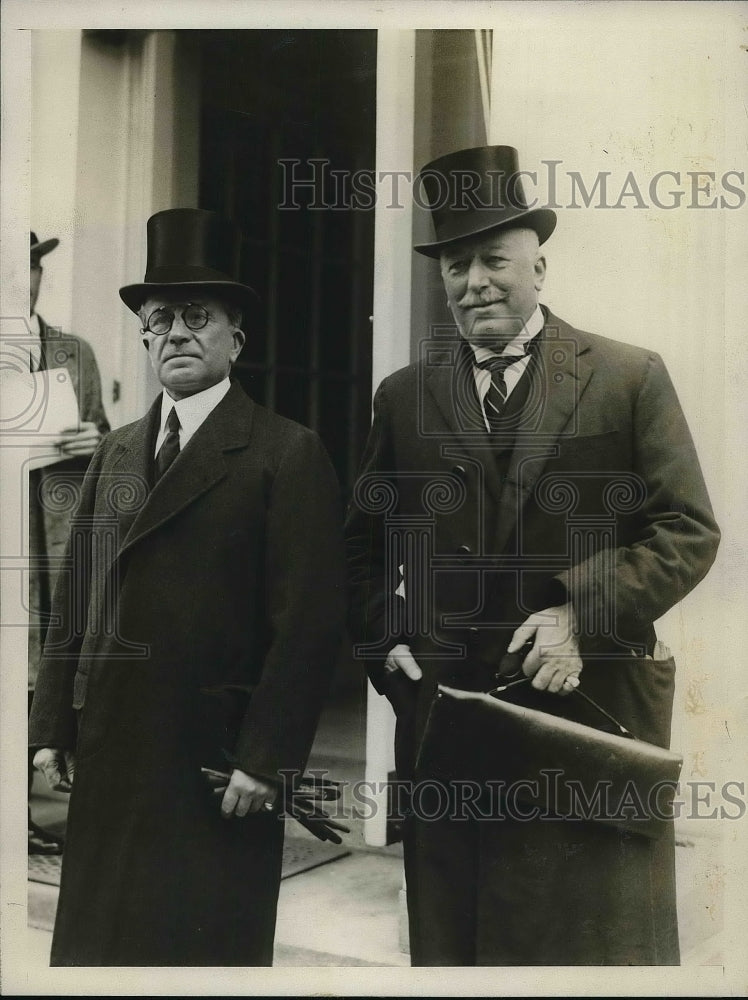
point(553, 662)
point(401, 658)
point(79, 441)
point(245, 794)
point(57, 766)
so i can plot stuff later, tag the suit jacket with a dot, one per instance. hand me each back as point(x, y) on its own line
point(54, 489)
point(64, 350)
point(225, 576)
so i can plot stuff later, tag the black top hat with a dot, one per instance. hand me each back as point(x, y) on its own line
point(39, 249)
point(473, 191)
point(190, 249)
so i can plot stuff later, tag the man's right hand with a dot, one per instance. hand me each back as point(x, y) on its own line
point(79, 442)
point(57, 766)
point(401, 658)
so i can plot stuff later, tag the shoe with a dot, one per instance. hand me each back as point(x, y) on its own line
point(43, 842)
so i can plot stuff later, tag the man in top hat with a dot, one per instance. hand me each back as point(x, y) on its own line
point(49, 521)
point(530, 502)
point(200, 619)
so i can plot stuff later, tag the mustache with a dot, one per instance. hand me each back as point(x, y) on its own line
point(475, 302)
point(172, 354)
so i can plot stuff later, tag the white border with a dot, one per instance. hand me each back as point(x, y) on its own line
point(17, 976)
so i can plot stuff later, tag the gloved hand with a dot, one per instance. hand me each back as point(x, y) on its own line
point(302, 803)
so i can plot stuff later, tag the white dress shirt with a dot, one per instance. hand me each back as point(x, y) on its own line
point(35, 343)
point(513, 373)
point(192, 411)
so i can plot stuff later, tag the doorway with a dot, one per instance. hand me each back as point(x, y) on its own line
point(278, 107)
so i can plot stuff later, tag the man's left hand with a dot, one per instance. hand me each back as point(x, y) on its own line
point(245, 794)
point(553, 661)
point(80, 442)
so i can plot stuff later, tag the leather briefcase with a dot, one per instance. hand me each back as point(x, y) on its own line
point(564, 767)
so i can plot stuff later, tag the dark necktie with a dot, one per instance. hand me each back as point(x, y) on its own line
point(170, 446)
point(493, 401)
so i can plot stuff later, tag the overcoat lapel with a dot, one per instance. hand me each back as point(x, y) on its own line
point(131, 464)
point(59, 351)
point(196, 470)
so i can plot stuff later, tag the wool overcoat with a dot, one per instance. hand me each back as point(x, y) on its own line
point(221, 583)
point(591, 492)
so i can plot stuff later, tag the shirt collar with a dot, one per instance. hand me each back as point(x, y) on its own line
point(518, 345)
point(192, 410)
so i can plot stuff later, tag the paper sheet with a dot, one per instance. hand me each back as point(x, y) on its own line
point(35, 408)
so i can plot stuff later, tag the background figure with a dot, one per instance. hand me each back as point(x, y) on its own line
point(208, 581)
point(564, 509)
point(49, 523)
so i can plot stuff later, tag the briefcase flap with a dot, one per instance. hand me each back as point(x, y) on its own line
point(562, 767)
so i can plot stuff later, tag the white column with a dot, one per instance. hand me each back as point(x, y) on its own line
point(14, 302)
point(55, 67)
point(137, 154)
point(391, 334)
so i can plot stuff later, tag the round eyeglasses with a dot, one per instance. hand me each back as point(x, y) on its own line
point(161, 320)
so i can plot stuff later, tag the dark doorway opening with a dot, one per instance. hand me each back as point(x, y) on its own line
point(280, 108)
point(275, 106)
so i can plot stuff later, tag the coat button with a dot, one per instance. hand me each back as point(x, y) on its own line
point(459, 471)
point(464, 550)
point(473, 633)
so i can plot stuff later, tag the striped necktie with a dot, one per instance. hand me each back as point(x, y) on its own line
point(170, 445)
point(493, 401)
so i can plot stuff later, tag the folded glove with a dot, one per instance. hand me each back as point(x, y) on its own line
point(301, 802)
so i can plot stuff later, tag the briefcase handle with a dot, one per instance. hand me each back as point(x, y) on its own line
point(498, 691)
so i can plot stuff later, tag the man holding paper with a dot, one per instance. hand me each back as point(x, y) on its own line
point(60, 477)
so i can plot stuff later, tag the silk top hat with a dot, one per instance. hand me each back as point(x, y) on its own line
point(190, 249)
point(39, 249)
point(474, 191)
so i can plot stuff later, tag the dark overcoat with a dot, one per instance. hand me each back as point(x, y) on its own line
point(53, 488)
point(226, 576)
point(592, 492)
